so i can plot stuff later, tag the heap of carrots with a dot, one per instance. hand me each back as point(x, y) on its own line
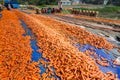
point(99, 19)
point(68, 61)
point(15, 50)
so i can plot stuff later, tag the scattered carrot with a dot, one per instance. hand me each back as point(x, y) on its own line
point(106, 64)
point(116, 63)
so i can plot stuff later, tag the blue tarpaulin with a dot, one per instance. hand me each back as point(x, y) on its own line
point(13, 3)
point(103, 53)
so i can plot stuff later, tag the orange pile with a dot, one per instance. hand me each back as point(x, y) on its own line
point(15, 50)
point(69, 63)
point(99, 19)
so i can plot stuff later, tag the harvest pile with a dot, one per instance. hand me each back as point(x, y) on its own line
point(15, 50)
point(99, 19)
point(68, 61)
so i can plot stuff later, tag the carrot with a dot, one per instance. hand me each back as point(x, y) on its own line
point(15, 49)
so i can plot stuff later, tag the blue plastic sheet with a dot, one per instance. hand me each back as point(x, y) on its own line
point(13, 3)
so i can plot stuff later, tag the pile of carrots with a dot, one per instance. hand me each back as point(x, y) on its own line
point(54, 39)
point(15, 50)
point(99, 19)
